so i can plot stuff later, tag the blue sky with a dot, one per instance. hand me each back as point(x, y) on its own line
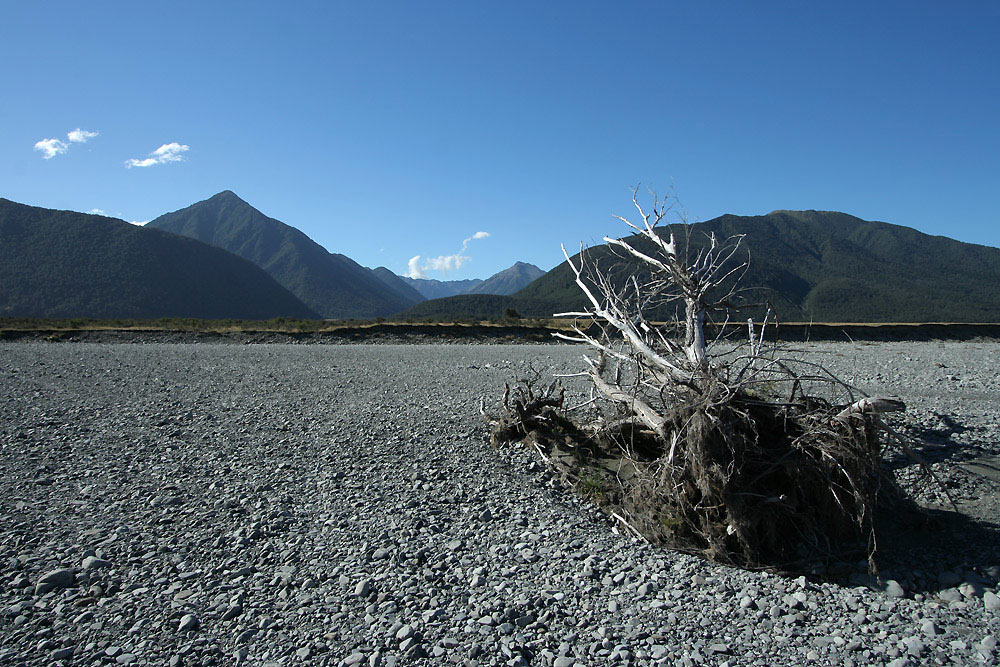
point(388, 130)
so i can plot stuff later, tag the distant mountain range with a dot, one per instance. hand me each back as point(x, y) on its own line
point(333, 285)
point(69, 264)
point(431, 288)
point(817, 266)
point(49, 252)
point(222, 258)
point(507, 281)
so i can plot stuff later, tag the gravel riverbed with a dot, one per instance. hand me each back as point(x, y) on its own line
point(223, 504)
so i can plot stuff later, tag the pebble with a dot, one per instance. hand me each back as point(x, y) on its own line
point(233, 611)
point(94, 563)
point(62, 578)
point(893, 589)
point(950, 595)
point(914, 646)
point(301, 538)
point(188, 622)
point(63, 653)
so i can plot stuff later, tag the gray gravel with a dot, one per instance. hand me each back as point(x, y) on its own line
point(336, 505)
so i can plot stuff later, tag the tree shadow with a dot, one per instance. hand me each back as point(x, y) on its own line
point(917, 545)
point(934, 444)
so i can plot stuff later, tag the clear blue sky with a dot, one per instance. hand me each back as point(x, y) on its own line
point(386, 130)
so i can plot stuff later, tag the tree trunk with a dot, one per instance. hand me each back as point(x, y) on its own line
point(694, 324)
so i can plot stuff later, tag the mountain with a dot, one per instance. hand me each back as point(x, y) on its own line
point(509, 280)
point(438, 289)
point(820, 266)
point(505, 282)
point(826, 266)
point(333, 285)
point(398, 285)
point(68, 264)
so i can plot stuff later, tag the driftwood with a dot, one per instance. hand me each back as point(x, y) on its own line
point(526, 410)
point(710, 445)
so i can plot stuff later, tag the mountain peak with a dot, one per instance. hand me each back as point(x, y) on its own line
point(509, 280)
point(70, 264)
point(813, 214)
point(226, 196)
point(332, 285)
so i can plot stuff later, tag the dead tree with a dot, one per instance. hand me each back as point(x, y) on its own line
point(707, 443)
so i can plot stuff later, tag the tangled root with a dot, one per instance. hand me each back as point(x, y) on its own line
point(743, 481)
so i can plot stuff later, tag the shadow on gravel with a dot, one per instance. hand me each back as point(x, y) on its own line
point(935, 443)
point(915, 547)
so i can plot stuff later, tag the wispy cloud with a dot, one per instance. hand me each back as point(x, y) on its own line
point(172, 152)
point(96, 211)
point(79, 136)
point(53, 147)
point(413, 268)
point(418, 267)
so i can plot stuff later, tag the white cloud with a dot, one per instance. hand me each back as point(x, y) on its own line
point(51, 147)
point(172, 152)
point(443, 263)
point(79, 136)
point(96, 211)
point(140, 223)
point(413, 270)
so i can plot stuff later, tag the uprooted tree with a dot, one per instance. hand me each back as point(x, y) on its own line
point(722, 446)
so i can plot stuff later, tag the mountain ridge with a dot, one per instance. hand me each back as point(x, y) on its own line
point(332, 284)
point(504, 282)
point(822, 266)
point(831, 266)
point(68, 264)
point(508, 281)
point(432, 288)
point(398, 284)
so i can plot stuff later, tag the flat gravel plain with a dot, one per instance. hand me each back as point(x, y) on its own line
point(223, 504)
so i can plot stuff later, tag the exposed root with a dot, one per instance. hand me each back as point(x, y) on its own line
point(526, 410)
point(742, 481)
point(733, 453)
